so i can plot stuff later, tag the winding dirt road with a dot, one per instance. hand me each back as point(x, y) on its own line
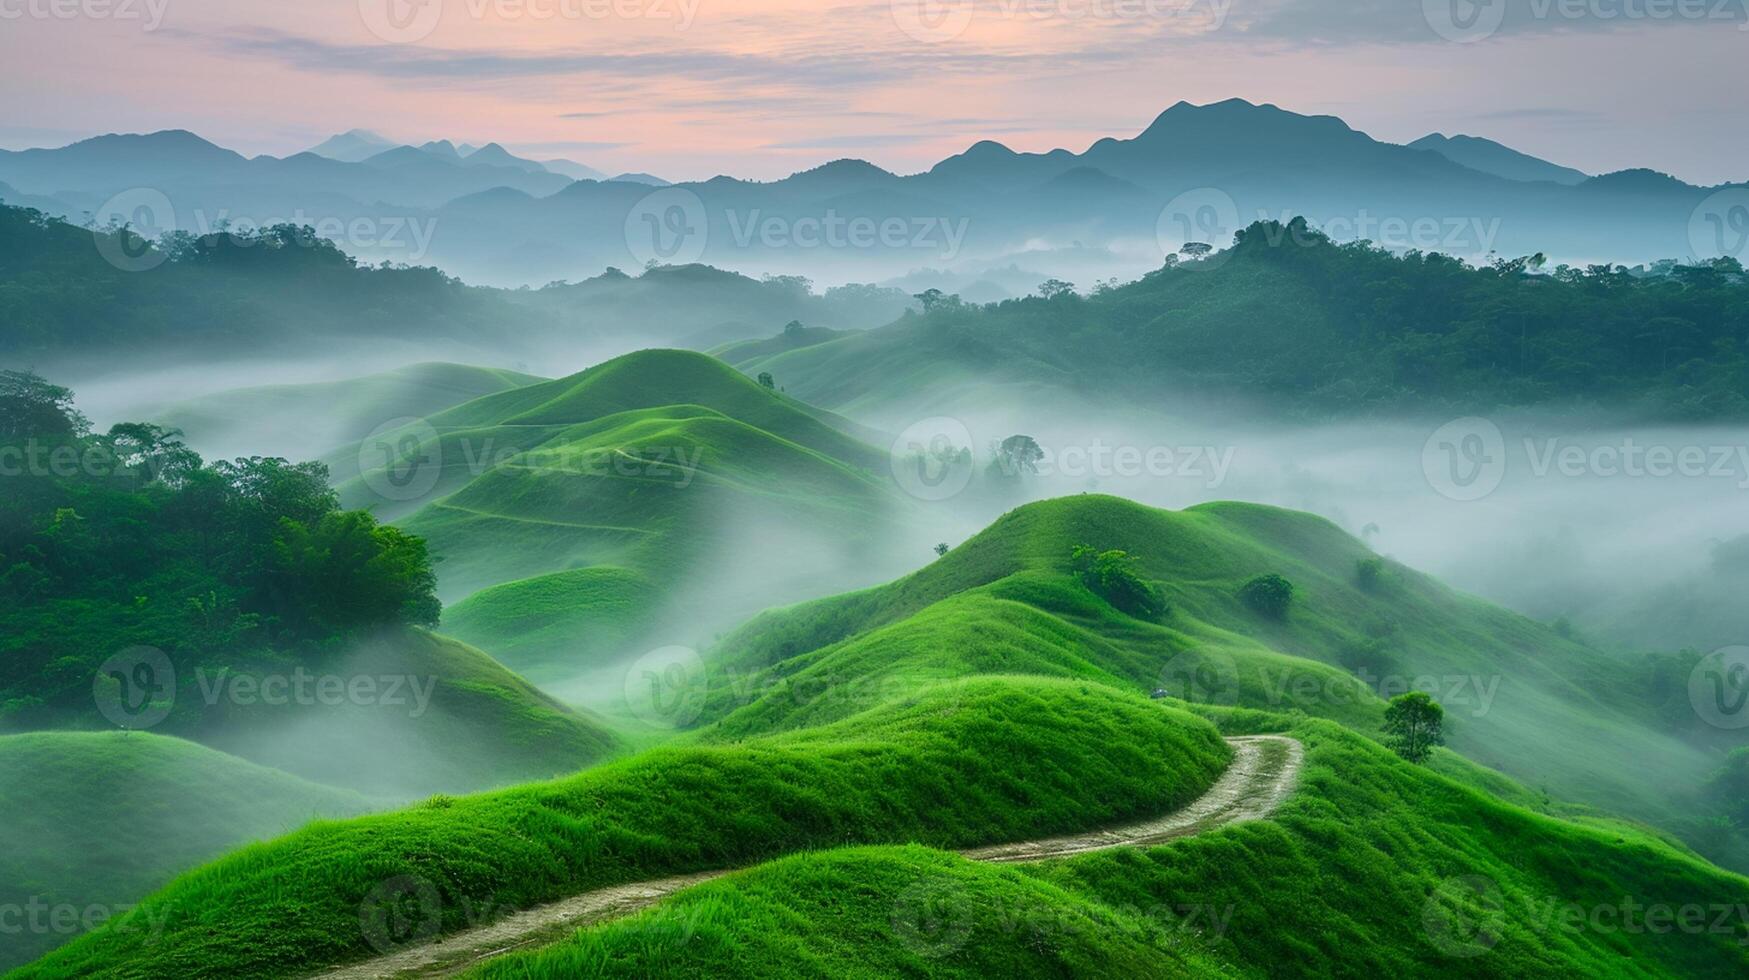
point(1262, 774)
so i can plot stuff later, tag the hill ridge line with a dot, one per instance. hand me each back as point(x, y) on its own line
point(1262, 774)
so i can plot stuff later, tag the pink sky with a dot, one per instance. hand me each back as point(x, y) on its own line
point(761, 88)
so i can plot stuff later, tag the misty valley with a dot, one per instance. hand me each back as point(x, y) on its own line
point(1233, 544)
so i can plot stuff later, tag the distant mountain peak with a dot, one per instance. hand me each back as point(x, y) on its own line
point(1497, 159)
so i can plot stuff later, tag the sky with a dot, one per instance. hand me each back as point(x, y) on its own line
point(688, 89)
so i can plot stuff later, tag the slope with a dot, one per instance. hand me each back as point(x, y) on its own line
point(1519, 698)
point(100, 819)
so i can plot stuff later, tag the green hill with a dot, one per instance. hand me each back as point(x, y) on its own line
point(1568, 719)
point(578, 518)
point(441, 717)
point(1288, 322)
point(301, 421)
point(990, 760)
point(1373, 868)
point(101, 819)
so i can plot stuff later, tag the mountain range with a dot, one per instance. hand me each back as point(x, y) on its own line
point(1195, 173)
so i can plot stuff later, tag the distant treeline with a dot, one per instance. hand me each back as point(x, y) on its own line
point(67, 291)
point(1295, 322)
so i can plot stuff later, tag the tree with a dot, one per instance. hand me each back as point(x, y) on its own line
point(1414, 724)
point(1196, 250)
point(1728, 788)
point(766, 380)
point(1368, 572)
point(941, 550)
point(1270, 595)
point(1015, 455)
point(30, 407)
point(930, 299)
point(1052, 288)
point(793, 330)
point(1112, 576)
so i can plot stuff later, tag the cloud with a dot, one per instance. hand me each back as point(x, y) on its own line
point(1321, 23)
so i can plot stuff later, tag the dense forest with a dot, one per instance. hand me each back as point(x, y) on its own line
point(1304, 325)
point(127, 538)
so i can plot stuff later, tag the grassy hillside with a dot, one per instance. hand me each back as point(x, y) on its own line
point(1570, 720)
point(104, 818)
point(300, 421)
point(1373, 868)
point(579, 518)
point(444, 717)
point(989, 760)
point(1288, 322)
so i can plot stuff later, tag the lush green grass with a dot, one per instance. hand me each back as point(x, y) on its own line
point(101, 819)
point(982, 761)
point(573, 518)
point(483, 726)
point(870, 912)
point(1568, 719)
point(1373, 868)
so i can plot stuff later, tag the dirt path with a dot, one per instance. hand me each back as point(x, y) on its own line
point(1262, 774)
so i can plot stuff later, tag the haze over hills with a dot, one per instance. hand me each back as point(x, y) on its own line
point(1196, 173)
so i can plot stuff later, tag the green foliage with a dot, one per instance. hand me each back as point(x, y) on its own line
point(984, 761)
point(1728, 788)
point(1414, 725)
point(1112, 576)
point(1369, 572)
point(766, 381)
point(1271, 595)
point(124, 539)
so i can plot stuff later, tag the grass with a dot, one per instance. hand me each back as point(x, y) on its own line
point(539, 624)
point(1373, 868)
point(482, 727)
point(1520, 698)
point(986, 760)
point(104, 818)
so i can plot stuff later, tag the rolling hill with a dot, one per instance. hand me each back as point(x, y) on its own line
point(1573, 721)
point(101, 819)
point(577, 518)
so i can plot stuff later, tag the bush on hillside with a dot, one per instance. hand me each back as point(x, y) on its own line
point(1270, 595)
point(1112, 576)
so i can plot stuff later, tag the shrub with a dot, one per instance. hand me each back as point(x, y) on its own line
point(1270, 595)
point(1369, 572)
point(1111, 575)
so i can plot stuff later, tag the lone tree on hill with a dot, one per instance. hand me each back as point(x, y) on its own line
point(1414, 724)
point(766, 380)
